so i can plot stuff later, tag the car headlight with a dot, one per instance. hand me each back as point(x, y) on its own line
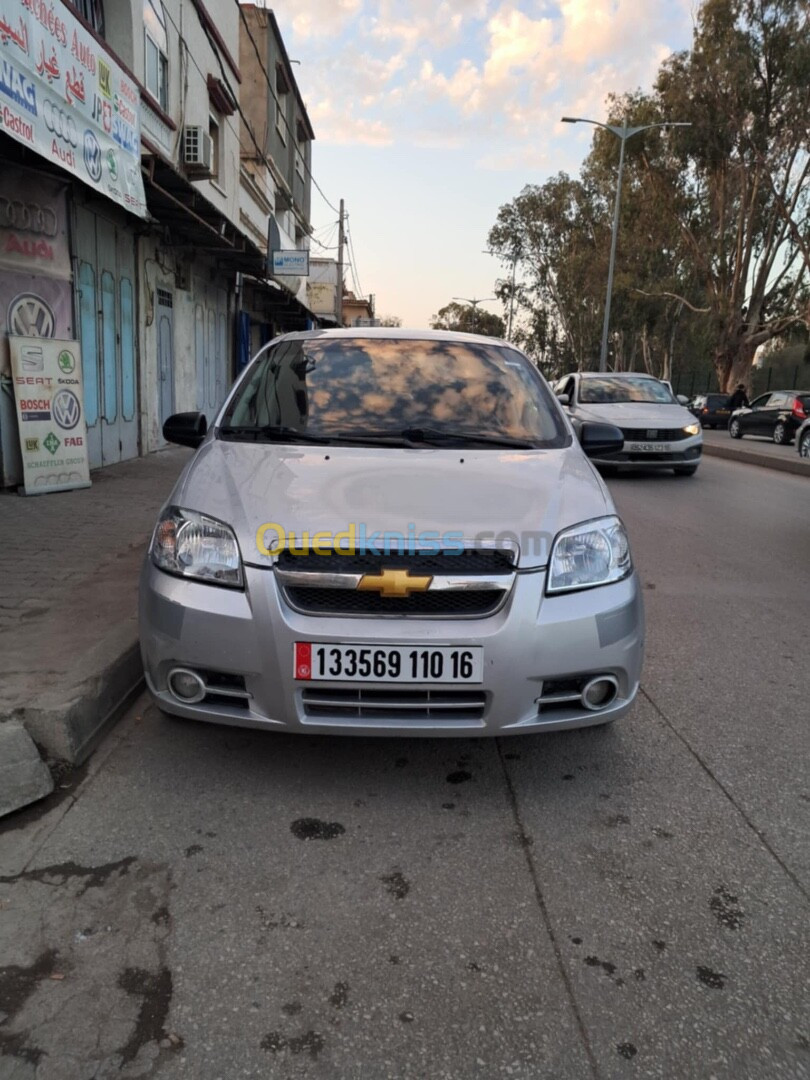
point(196, 546)
point(692, 429)
point(592, 553)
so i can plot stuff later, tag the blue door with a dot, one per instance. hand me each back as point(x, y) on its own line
point(165, 338)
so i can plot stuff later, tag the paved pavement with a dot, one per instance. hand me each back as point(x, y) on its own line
point(753, 450)
point(68, 608)
point(627, 902)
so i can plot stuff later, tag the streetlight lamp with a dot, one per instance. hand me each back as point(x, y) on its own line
point(474, 304)
point(515, 258)
point(623, 133)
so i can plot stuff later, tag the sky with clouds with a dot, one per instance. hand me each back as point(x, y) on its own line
point(431, 114)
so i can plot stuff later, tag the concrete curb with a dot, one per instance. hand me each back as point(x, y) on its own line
point(24, 777)
point(793, 465)
point(70, 724)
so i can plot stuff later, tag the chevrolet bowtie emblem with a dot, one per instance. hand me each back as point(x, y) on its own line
point(393, 583)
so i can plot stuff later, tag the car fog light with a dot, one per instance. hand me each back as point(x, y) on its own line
point(599, 693)
point(186, 686)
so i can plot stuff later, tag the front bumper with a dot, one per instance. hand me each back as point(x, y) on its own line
point(684, 452)
point(531, 640)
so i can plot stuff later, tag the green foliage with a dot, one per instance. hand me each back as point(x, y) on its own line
point(713, 258)
point(469, 320)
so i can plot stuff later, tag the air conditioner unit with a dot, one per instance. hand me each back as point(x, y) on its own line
point(197, 151)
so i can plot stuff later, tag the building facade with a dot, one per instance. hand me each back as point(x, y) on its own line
point(147, 162)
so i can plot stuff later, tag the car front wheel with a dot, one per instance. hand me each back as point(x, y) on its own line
point(780, 435)
point(804, 445)
point(734, 429)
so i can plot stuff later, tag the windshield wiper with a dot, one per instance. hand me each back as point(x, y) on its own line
point(272, 433)
point(438, 437)
point(281, 434)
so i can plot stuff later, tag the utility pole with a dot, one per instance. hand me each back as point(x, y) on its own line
point(622, 133)
point(341, 241)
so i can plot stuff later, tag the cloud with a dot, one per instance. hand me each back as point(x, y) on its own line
point(324, 18)
point(423, 73)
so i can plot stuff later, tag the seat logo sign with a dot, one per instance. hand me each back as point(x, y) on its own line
point(66, 409)
point(92, 155)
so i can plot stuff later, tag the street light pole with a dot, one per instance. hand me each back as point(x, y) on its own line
point(515, 258)
point(474, 304)
point(623, 133)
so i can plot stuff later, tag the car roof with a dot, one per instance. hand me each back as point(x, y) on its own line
point(617, 375)
point(390, 332)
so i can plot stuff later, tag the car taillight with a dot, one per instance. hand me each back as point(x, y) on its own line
point(704, 409)
point(799, 410)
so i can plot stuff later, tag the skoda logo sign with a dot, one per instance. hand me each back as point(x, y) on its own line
point(60, 123)
point(92, 155)
point(66, 409)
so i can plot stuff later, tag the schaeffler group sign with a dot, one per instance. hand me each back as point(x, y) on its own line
point(62, 95)
point(47, 376)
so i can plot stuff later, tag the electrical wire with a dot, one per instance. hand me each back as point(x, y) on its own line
point(353, 259)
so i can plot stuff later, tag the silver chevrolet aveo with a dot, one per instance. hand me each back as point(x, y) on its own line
point(395, 533)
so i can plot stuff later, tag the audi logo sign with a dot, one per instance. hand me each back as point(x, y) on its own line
point(28, 217)
point(60, 123)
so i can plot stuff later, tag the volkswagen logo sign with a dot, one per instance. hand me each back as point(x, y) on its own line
point(92, 155)
point(60, 123)
point(30, 316)
point(66, 409)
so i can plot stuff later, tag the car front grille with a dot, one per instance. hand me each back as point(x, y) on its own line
point(464, 603)
point(470, 584)
point(654, 434)
point(464, 706)
point(468, 561)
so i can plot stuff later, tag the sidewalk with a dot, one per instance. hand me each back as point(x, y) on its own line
point(68, 603)
point(755, 451)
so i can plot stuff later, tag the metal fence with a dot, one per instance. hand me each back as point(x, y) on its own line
point(762, 380)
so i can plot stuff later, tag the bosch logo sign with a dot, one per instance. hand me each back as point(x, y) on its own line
point(60, 123)
point(66, 409)
point(92, 155)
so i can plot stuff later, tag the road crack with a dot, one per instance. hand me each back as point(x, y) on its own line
point(719, 783)
point(525, 842)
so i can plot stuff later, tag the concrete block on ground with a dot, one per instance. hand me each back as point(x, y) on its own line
point(24, 776)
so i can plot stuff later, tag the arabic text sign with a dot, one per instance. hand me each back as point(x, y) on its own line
point(47, 378)
point(62, 95)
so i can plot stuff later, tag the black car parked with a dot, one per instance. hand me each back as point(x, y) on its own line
point(777, 414)
point(803, 440)
point(712, 410)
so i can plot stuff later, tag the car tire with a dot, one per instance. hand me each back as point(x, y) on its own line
point(780, 435)
point(734, 429)
point(685, 470)
point(804, 445)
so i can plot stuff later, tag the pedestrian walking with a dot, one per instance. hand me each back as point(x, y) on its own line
point(739, 399)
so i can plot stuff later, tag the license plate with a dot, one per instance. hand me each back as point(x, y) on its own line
point(648, 447)
point(318, 661)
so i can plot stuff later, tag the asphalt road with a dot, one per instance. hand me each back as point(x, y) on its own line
point(620, 902)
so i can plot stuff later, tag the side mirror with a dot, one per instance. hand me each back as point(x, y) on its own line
point(682, 399)
point(599, 439)
point(186, 429)
point(563, 399)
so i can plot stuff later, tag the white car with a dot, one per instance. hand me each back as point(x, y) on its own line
point(659, 431)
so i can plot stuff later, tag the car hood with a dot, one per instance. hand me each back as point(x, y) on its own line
point(637, 414)
point(481, 494)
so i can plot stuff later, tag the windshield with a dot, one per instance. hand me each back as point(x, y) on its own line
point(612, 391)
point(426, 389)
